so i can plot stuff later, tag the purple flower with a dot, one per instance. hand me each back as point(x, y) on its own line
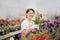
point(19, 35)
point(54, 33)
point(40, 15)
point(47, 21)
point(27, 35)
point(56, 22)
point(51, 30)
point(43, 25)
point(59, 38)
point(50, 25)
point(59, 22)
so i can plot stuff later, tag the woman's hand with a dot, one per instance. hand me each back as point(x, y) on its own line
point(24, 32)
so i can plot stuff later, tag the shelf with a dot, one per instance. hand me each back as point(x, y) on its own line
point(9, 34)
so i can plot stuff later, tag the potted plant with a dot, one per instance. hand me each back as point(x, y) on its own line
point(12, 28)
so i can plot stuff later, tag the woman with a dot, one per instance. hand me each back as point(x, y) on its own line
point(27, 25)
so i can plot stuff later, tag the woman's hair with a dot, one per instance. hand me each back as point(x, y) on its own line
point(29, 10)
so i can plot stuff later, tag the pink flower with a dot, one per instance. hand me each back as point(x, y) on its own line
point(46, 31)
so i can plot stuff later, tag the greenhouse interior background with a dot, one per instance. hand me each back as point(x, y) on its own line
point(15, 8)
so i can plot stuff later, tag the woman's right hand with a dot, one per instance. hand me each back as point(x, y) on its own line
point(24, 32)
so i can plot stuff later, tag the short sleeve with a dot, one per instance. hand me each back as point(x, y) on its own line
point(23, 26)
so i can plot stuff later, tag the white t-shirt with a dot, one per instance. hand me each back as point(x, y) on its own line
point(25, 25)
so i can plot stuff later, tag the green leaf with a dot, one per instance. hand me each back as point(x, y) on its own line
point(31, 36)
point(23, 37)
point(37, 20)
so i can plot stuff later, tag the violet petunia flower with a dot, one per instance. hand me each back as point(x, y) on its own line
point(43, 26)
point(47, 21)
point(27, 35)
point(51, 30)
point(50, 25)
point(59, 38)
point(19, 35)
point(54, 33)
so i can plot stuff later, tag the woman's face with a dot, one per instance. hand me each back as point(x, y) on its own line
point(30, 14)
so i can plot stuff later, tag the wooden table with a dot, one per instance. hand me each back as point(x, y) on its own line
point(9, 34)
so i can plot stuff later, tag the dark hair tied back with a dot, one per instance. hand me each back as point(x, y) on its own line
point(29, 10)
